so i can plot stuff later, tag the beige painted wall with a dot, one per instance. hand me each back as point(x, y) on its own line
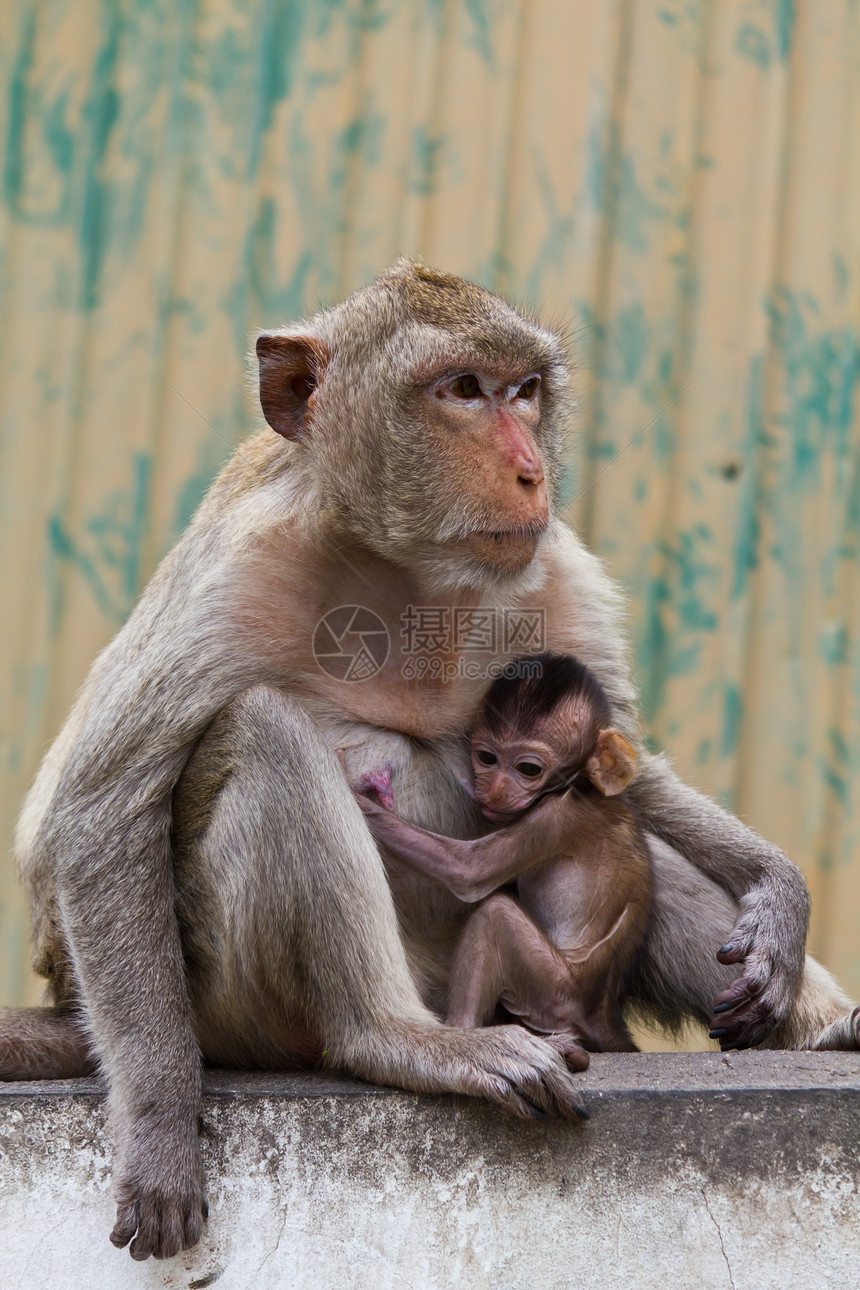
point(678, 181)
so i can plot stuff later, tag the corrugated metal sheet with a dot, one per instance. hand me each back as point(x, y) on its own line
point(679, 181)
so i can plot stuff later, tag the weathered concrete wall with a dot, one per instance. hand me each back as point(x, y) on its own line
point(696, 1170)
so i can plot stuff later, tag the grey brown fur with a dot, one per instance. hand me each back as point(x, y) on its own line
point(203, 884)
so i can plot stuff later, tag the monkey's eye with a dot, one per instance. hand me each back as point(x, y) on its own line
point(486, 758)
point(530, 769)
point(466, 386)
point(529, 388)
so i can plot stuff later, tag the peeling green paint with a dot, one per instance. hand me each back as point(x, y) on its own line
point(107, 550)
point(630, 338)
point(482, 16)
point(100, 117)
point(752, 43)
point(748, 524)
point(281, 25)
point(834, 644)
point(821, 372)
point(614, 187)
point(13, 166)
point(732, 717)
point(784, 23)
point(426, 152)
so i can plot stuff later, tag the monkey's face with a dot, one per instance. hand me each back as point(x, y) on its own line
point(511, 773)
point(487, 472)
point(432, 414)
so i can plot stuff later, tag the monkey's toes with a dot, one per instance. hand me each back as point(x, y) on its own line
point(568, 1047)
point(158, 1227)
point(531, 1079)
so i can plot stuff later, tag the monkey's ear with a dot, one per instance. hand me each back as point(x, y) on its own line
point(291, 368)
point(612, 764)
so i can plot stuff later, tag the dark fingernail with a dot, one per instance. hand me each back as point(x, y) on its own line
point(723, 1007)
point(582, 1113)
point(725, 949)
point(538, 1115)
point(717, 1034)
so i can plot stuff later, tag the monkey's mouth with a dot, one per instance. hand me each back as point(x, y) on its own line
point(511, 548)
point(522, 533)
point(500, 817)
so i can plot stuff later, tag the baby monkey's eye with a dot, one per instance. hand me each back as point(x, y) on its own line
point(529, 388)
point(466, 386)
point(530, 769)
point(486, 758)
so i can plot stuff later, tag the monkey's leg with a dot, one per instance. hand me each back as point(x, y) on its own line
point(479, 970)
point(677, 975)
point(604, 1030)
point(768, 935)
point(503, 956)
point(43, 1043)
point(284, 884)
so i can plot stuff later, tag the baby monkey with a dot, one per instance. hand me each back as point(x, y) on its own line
point(556, 944)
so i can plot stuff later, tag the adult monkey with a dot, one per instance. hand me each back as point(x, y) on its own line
point(202, 880)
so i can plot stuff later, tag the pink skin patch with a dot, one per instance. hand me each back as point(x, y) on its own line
point(377, 783)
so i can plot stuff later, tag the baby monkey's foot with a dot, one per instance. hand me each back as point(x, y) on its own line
point(571, 1050)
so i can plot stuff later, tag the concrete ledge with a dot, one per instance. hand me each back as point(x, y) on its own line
point(696, 1170)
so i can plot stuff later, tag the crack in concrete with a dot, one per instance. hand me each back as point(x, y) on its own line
point(720, 1235)
point(277, 1244)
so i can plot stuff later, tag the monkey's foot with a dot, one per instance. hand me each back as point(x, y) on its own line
point(161, 1205)
point(570, 1048)
point(524, 1074)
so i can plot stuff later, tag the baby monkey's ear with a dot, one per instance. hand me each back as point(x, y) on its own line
point(612, 764)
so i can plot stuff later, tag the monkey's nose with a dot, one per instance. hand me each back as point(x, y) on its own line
point(530, 476)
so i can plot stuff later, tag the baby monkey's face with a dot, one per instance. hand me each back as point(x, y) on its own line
point(511, 773)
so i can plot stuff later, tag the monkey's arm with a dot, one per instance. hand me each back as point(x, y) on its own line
point(770, 934)
point(471, 870)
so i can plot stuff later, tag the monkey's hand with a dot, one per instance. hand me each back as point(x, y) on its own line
point(764, 993)
point(160, 1198)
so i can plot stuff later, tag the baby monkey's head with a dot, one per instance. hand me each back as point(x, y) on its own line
point(542, 722)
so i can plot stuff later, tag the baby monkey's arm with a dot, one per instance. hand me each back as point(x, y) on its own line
point(471, 870)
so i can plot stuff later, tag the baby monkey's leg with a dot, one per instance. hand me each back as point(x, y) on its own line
point(503, 957)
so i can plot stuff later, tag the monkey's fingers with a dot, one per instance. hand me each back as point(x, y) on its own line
point(161, 1228)
point(125, 1225)
point(528, 1100)
point(158, 1221)
point(744, 1029)
point(744, 1013)
point(738, 993)
point(731, 953)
